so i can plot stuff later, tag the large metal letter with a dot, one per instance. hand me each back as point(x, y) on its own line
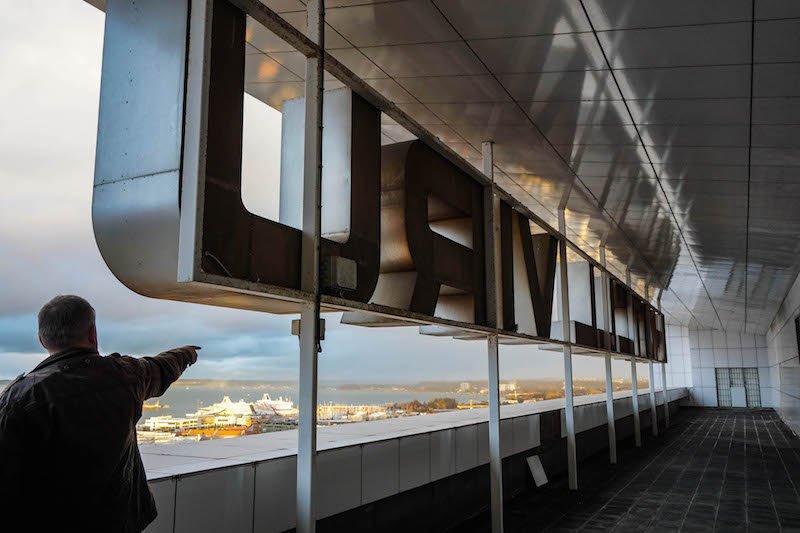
point(432, 238)
point(309, 320)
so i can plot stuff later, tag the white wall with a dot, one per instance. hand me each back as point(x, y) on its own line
point(714, 348)
point(679, 365)
point(783, 359)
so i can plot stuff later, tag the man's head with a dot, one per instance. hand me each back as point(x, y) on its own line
point(67, 322)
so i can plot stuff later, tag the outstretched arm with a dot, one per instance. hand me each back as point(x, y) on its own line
point(157, 373)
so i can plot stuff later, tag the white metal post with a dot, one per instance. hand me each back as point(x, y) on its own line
point(495, 308)
point(611, 420)
point(569, 408)
point(637, 426)
point(309, 318)
point(495, 458)
point(653, 402)
point(664, 366)
point(651, 382)
point(664, 392)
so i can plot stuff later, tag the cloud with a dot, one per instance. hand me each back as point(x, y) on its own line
point(50, 88)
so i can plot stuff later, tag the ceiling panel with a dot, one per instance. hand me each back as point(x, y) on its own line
point(785, 135)
point(430, 59)
point(771, 9)
point(648, 84)
point(673, 170)
point(282, 6)
point(717, 44)
point(361, 65)
point(481, 113)
point(695, 135)
point(559, 86)
point(691, 111)
point(771, 80)
point(591, 134)
point(391, 89)
point(480, 19)
point(775, 174)
point(777, 41)
point(455, 89)
point(577, 112)
point(702, 155)
point(266, 41)
point(622, 14)
point(377, 24)
point(544, 53)
point(776, 110)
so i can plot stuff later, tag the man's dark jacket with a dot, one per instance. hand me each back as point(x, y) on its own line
point(68, 454)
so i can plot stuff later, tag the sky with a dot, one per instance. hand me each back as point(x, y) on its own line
point(49, 94)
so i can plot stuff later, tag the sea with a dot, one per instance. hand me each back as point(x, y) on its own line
point(182, 399)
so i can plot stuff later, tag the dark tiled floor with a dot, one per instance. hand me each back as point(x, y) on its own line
point(713, 470)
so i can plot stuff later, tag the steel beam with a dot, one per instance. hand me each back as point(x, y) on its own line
point(494, 300)
point(310, 274)
point(610, 418)
point(637, 426)
point(664, 392)
point(495, 457)
point(651, 382)
point(653, 402)
point(664, 366)
point(569, 409)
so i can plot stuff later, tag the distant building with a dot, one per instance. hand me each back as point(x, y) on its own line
point(464, 387)
point(508, 387)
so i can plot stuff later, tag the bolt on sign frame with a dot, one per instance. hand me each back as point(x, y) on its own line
point(170, 222)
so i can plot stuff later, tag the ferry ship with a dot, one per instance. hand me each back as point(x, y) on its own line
point(281, 406)
point(223, 419)
point(265, 406)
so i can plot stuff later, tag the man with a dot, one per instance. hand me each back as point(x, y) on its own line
point(69, 460)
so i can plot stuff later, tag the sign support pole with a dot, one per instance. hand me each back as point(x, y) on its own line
point(653, 401)
point(495, 313)
point(310, 316)
point(611, 420)
point(664, 368)
point(665, 393)
point(569, 408)
point(637, 427)
point(652, 382)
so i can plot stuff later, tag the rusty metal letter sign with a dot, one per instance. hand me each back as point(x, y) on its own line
point(244, 246)
point(170, 221)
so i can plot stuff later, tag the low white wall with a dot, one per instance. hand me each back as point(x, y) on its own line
point(248, 483)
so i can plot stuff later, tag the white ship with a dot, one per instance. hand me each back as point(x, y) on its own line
point(264, 407)
point(281, 406)
point(224, 408)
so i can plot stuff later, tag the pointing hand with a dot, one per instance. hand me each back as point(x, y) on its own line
point(192, 351)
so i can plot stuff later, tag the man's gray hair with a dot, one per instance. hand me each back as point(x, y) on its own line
point(64, 321)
